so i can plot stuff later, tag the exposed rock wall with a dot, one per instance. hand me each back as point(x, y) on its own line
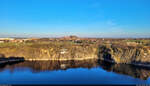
point(116, 53)
point(47, 52)
point(125, 54)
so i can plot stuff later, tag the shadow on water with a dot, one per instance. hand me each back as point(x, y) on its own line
point(39, 66)
point(9, 61)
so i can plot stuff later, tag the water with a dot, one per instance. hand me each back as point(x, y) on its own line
point(72, 72)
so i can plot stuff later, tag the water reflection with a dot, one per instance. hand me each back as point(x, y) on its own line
point(137, 72)
point(39, 66)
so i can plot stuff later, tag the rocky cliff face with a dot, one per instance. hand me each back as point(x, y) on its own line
point(50, 52)
point(116, 53)
point(125, 54)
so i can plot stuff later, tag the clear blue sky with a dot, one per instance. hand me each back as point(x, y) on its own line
point(84, 18)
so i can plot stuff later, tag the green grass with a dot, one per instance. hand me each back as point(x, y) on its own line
point(37, 44)
point(138, 41)
point(8, 44)
point(143, 42)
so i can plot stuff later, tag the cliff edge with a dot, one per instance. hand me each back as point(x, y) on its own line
point(119, 53)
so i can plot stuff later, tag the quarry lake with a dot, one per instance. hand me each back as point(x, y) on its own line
point(72, 72)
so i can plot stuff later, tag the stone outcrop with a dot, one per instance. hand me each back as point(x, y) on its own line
point(116, 53)
point(139, 55)
point(51, 52)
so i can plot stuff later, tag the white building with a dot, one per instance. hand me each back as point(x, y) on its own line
point(6, 38)
point(1, 41)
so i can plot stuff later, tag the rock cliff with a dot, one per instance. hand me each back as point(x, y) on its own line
point(50, 52)
point(116, 53)
point(139, 55)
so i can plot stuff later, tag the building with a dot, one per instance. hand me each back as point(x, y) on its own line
point(1, 41)
point(6, 38)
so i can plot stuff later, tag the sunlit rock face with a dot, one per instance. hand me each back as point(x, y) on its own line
point(117, 53)
point(51, 52)
point(125, 54)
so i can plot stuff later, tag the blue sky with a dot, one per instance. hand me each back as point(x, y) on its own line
point(84, 18)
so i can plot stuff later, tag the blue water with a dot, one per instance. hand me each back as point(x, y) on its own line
point(80, 75)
